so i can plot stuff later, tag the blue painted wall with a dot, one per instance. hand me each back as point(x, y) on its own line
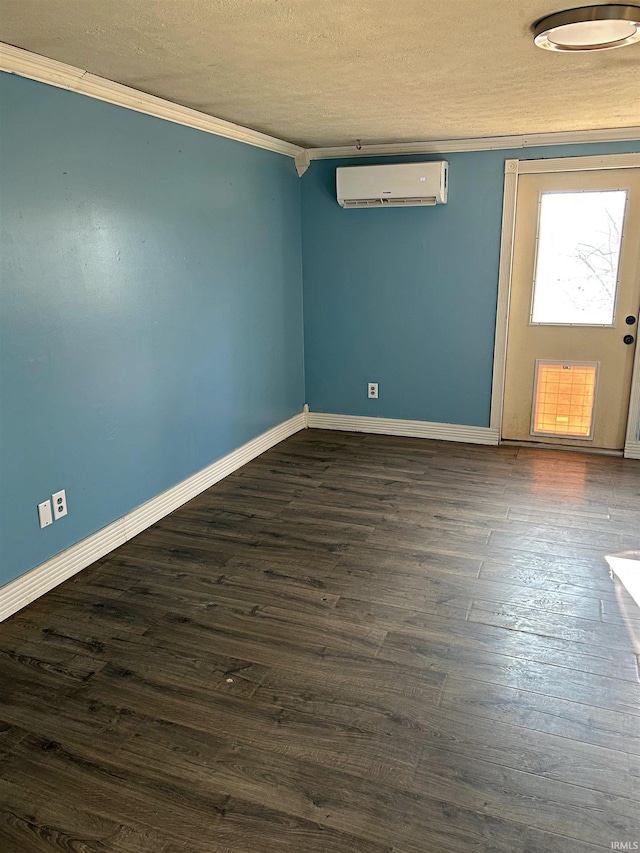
point(151, 308)
point(151, 304)
point(407, 297)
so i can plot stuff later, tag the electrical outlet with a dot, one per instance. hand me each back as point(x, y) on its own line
point(372, 390)
point(44, 514)
point(59, 501)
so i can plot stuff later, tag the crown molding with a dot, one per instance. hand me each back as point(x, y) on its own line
point(14, 60)
point(478, 143)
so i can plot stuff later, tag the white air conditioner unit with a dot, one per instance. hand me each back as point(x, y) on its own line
point(395, 185)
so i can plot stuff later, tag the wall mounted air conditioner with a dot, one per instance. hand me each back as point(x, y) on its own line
point(395, 185)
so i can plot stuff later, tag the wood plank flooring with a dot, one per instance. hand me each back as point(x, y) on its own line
point(355, 644)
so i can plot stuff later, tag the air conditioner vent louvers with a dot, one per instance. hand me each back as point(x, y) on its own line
point(389, 202)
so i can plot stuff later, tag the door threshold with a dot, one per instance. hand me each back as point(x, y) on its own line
point(541, 445)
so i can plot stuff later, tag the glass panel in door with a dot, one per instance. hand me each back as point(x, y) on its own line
point(577, 258)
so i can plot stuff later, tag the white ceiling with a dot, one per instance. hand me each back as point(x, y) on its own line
point(328, 72)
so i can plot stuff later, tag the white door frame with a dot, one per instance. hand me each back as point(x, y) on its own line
point(512, 171)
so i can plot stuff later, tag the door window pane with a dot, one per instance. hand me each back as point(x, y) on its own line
point(578, 252)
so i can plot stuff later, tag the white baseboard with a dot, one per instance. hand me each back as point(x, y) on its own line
point(25, 589)
point(395, 426)
point(632, 450)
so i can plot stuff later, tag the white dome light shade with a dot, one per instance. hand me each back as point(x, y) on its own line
point(589, 28)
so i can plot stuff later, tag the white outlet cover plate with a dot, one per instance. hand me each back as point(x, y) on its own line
point(59, 501)
point(44, 514)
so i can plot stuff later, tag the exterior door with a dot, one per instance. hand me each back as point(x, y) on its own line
point(573, 315)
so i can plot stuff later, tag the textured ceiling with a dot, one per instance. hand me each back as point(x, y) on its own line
point(326, 72)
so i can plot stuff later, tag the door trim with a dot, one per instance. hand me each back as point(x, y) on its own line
point(513, 169)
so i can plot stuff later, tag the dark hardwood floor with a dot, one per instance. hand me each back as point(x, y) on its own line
point(355, 644)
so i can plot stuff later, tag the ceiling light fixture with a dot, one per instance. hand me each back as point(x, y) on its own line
point(588, 28)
